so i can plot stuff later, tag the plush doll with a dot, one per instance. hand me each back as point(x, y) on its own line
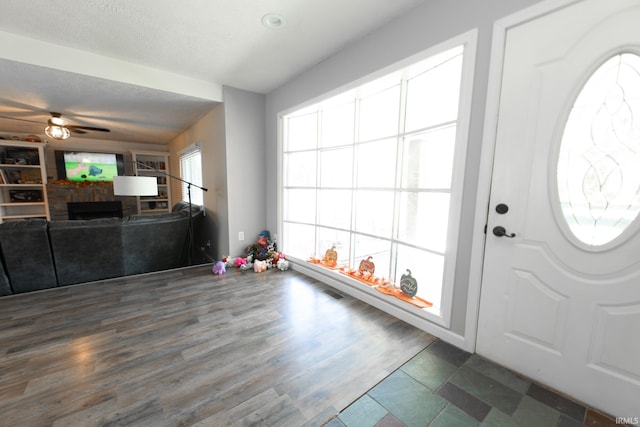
point(229, 262)
point(259, 266)
point(283, 264)
point(263, 240)
point(246, 266)
point(219, 268)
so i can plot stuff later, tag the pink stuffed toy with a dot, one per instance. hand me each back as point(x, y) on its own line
point(240, 262)
point(259, 266)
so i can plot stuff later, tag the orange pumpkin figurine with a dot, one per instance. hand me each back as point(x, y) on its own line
point(331, 257)
point(367, 267)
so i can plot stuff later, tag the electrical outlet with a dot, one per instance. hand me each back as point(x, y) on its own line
point(241, 235)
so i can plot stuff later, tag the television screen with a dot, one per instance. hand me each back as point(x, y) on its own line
point(87, 166)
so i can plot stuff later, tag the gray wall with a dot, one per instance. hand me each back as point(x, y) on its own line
point(234, 169)
point(428, 25)
point(246, 167)
point(209, 131)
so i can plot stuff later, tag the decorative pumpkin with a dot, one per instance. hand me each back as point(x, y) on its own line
point(408, 285)
point(331, 256)
point(367, 266)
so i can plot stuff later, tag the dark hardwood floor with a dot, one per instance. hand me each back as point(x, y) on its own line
point(185, 347)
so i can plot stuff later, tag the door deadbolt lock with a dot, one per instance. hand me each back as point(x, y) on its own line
point(502, 208)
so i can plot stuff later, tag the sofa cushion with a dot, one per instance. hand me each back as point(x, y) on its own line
point(153, 217)
point(184, 207)
point(154, 242)
point(87, 250)
point(27, 255)
point(5, 287)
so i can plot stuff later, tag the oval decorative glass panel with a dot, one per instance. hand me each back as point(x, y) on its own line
point(598, 172)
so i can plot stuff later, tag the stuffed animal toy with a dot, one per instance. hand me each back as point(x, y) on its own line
point(259, 266)
point(263, 240)
point(283, 264)
point(246, 267)
point(219, 268)
point(239, 262)
point(229, 262)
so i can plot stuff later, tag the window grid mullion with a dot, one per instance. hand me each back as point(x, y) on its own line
point(354, 182)
point(398, 179)
point(319, 116)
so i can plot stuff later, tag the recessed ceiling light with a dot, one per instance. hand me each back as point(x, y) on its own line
point(274, 20)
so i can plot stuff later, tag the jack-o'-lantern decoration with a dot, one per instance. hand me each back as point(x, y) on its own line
point(408, 285)
point(367, 266)
point(331, 256)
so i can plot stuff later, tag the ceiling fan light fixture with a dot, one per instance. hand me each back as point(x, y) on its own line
point(57, 132)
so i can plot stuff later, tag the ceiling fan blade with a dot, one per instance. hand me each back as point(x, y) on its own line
point(22, 120)
point(95, 129)
point(78, 131)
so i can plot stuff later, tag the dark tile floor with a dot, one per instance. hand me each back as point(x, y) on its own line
point(444, 386)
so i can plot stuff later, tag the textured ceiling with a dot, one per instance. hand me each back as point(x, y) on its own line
point(216, 42)
point(132, 113)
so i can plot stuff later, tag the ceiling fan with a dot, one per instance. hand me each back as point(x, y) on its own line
point(57, 127)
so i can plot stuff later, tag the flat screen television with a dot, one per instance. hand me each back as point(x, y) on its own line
point(88, 166)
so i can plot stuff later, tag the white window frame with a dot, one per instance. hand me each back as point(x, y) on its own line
point(195, 177)
point(423, 318)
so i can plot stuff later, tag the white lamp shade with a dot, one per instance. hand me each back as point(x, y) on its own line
point(135, 186)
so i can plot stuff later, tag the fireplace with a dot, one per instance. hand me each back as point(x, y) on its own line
point(60, 193)
point(92, 210)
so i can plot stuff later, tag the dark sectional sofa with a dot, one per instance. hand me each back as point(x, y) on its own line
point(37, 254)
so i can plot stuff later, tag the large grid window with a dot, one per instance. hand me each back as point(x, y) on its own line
point(191, 171)
point(370, 172)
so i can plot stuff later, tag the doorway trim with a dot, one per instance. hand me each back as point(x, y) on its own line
point(485, 175)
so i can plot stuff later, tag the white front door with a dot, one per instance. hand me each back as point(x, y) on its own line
point(560, 300)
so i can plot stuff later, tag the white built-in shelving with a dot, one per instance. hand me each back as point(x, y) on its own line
point(23, 181)
point(154, 163)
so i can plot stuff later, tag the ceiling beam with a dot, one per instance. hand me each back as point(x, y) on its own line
point(49, 55)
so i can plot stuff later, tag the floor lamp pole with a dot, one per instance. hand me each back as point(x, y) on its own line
point(190, 225)
point(189, 184)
